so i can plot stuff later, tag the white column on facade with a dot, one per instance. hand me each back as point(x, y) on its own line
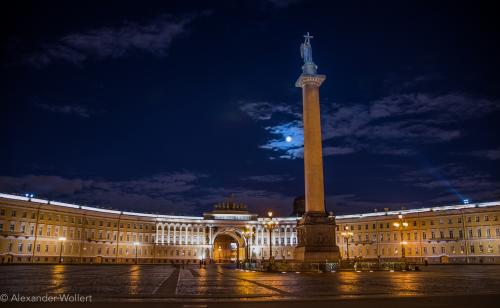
point(279, 235)
point(285, 235)
point(204, 235)
point(175, 233)
point(210, 234)
point(187, 235)
point(168, 234)
point(162, 233)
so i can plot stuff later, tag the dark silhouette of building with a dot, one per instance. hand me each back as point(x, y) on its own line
point(299, 206)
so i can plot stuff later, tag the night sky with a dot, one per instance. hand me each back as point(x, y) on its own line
point(172, 106)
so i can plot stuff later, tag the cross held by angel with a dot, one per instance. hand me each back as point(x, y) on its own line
point(306, 49)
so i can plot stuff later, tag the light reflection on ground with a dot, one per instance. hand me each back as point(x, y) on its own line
point(164, 281)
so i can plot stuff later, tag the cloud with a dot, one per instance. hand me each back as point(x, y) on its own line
point(261, 111)
point(453, 183)
point(268, 178)
point(351, 203)
point(493, 154)
point(160, 193)
point(113, 42)
point(292, 149)
point(170, 193)
point(392, 125)
point(282, 3)
point(76, 110)
point(327, 151)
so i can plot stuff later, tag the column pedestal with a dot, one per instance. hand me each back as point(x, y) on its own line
point(316, 234)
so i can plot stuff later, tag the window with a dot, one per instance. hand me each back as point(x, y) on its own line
point(490, 248)
point(472, 249)
point(443, 249)
point(13, 213)
point(460, 234)
point(441, 234)
point(414, 223)
point(433, 250)
point(432, 222)
point(424, 235)
point(488, 233)
point(12, 227)
point(481, 250)
point(459, 220)
point(433, 235)
point(470, 233)
point(450, 221)
point(20, 247)
point(479, 233)
point(477, 218)
point(2, 212)
point(486, 218)
point(451, 234)
point(25, 214)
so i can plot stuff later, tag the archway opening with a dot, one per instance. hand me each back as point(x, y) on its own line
point(226, 249)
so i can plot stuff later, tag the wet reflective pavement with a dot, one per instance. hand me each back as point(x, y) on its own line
point(156, 283)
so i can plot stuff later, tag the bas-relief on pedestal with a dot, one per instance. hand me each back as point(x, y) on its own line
point(315, 230)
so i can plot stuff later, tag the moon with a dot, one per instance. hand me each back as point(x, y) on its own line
point(288, 139)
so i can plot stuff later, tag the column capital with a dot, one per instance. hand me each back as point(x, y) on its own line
point(315, 80)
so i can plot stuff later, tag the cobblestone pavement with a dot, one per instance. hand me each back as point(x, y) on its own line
point(157, 283)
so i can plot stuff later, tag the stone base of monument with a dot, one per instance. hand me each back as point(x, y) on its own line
point(316, 235)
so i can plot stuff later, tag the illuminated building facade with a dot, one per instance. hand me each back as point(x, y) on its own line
point(40, 231)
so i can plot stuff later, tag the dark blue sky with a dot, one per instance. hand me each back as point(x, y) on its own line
point(172, 106)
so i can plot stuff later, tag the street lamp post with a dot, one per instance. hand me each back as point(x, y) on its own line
point(347, 235)
point(270, 225)
point(61, 239)
point(401, 225)
point(136, 244)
